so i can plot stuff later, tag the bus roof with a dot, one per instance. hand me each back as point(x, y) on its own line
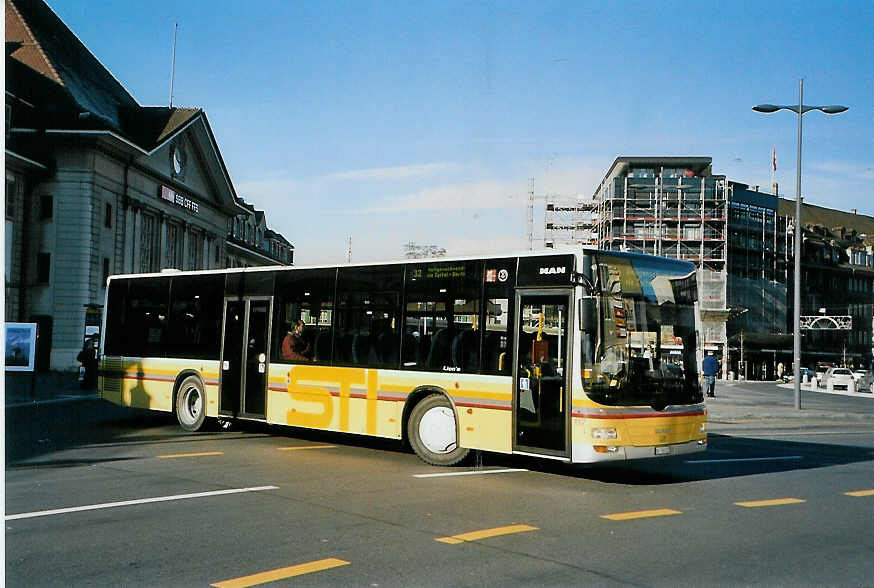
point(264, 268)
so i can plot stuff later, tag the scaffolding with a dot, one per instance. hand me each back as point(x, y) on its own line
point(672, 207)
point(666, 212)
point(569, 221)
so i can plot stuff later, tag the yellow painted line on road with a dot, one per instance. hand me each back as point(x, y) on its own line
point(774, 502)
point(282, 573)
point(201, 454)
point(860, 493)
point(641, 514)
point(298, 447)
point(485, 533)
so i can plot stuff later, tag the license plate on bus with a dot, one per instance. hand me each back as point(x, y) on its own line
point(663, 450)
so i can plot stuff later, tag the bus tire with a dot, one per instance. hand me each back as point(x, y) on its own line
point(190, 406)
point(433, 432)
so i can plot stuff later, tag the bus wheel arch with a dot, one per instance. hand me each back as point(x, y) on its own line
point(189, 401)
point(431, 427)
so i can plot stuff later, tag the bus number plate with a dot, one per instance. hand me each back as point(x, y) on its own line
point(663, 450)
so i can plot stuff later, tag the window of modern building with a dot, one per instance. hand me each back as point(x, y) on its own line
point(107, 215)
point(105, 271)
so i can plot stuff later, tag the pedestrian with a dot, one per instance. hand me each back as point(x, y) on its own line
point(710, 367)
point(88, 358)
point(780, 369)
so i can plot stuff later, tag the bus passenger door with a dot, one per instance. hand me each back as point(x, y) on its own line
point(244, 362)
point(541, 392)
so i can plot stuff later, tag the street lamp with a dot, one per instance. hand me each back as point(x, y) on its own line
point(800, 109)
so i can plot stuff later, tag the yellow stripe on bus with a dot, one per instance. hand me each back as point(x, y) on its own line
point(485, 533)
point(282, 573)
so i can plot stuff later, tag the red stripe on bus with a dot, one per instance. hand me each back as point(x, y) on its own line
point(642, 415)
point(491, 406)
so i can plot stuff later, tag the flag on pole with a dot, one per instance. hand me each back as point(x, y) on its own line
point(774, 158)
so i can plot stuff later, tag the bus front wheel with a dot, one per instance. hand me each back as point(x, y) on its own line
point(433, 432)
point(191, 404)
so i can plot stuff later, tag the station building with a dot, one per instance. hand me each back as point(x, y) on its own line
point(97, 184)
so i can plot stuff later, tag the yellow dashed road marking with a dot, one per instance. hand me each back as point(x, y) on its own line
point(485, 533)
point(860, 493)
point(297, 447)
point(774, 502)
point(641, 514)
point(281, 573)
point(202, 454)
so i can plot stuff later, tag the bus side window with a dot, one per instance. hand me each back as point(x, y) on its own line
point(497, 352)
point(367, 328)
point(442, 330)
point(146, 315)
point(306, 295)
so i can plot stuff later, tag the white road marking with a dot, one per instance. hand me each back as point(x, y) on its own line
point(470, 473)
point(44, 513)
point(785, 457)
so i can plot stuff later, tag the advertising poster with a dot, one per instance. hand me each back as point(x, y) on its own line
point(20, 346)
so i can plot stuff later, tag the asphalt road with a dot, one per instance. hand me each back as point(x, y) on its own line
point(780, 503)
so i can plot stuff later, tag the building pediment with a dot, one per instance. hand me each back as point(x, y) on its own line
point(187, 157)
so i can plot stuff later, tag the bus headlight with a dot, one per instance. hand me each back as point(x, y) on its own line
point(703, 428)
point(603, 433)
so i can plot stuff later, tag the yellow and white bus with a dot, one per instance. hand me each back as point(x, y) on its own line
point(582, 356)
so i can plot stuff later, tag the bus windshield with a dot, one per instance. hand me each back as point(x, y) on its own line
point(639, 343)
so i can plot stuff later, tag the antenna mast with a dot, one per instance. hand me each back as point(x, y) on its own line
point(173, 63)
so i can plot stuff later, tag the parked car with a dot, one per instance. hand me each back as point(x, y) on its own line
point(821, 369)
point(858, 374)
point(839, 379)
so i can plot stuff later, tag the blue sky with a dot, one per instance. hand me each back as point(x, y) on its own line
point(396, 122)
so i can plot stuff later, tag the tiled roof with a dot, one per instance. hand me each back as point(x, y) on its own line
point(89, 95)
point(812, 214)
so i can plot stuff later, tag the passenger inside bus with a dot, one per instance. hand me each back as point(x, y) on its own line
point(294, 347)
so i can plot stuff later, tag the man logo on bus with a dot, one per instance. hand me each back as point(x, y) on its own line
point(552, 270)
point(503, 275)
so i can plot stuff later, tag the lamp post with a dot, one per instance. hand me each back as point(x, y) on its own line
point(800, 109)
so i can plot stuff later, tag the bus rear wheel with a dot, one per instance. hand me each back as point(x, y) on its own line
point(191, 404)
point(433, 432)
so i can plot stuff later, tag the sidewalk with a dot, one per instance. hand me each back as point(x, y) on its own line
point(23, 388)
point(756, 403)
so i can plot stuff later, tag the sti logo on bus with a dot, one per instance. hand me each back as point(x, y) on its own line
point(545, 271)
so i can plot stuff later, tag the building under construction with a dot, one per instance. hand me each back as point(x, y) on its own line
point(676, 207)
point(741, 240)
